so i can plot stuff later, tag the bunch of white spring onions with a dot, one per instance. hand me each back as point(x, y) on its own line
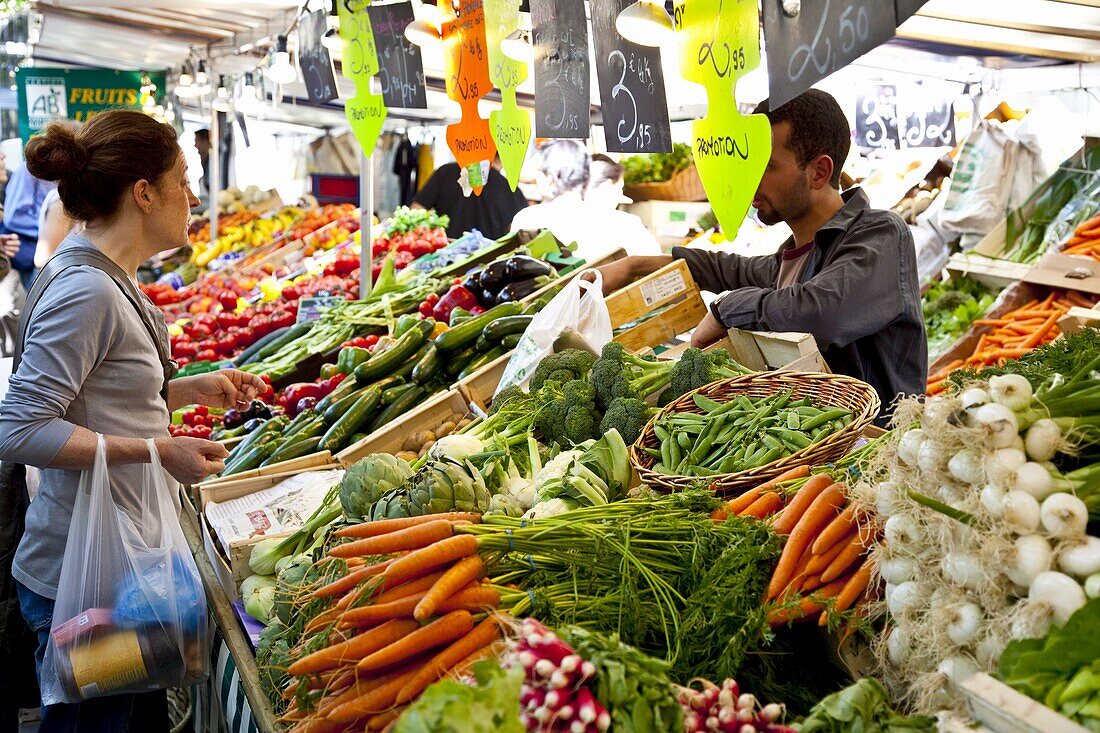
point(984, 540)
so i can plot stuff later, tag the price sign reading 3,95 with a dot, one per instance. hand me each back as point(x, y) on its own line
point(718, 46)
point(825, 36)
point(562, 73)
point(632, 87)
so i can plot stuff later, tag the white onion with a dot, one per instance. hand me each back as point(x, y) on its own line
point(966, 466)
point(973, 398)
point(958, 668)
point(963, 569)
point(1010, 390)
point(963, 622)
point(1042, 439)
point(904, 598)
point(1031, 556)
point(1058, 593)
point(1035, 479)
point(1000, 424)
point(887, 498)
point(897, 570)
point(930, 457)
point(992, 498)
point(1092, 586)
point(1080, 557)
point(938, 411)
point(1021, 512)
point(990, 648)
point(1064, 515)
point(909, 446)
point(897, 646)
point(1001, 465)
point(951, 494)
point(902, 533)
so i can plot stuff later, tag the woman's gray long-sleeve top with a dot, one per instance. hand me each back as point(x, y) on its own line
point(90, 361)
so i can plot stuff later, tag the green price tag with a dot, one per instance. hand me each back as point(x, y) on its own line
point(719, 44)
point(510, 126)
point(365, 111)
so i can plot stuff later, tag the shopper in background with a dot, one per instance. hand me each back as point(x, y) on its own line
point(95, 362)
point(848, 275)
point(202, 144)
point(54, 224)
point(489, 213)
point(22, 203)
point(581, 199)
point(12, 293)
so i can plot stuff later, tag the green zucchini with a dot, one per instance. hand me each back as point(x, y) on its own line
point(346, 387)
point(392, 394)
point(253, 458)
point(481, 361)
point(429, 366)
point(457, 362)
point(399, 351)
point(511, 341)
point(249, 355)
point(292, 333)
point(342, 405)
point(268, 428)
point(303, 429)
point(399, 407)
point(483, 344)
point(466, 333)
point(351, 421)
point(502, 327)
point(294, 449)
point(357, 437)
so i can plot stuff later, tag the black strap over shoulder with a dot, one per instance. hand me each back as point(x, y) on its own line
point(91, 257)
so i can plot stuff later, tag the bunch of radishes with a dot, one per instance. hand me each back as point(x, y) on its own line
point(556, 695)
point(729, 710)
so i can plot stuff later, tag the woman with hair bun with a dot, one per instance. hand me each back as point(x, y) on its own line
point(95, 360)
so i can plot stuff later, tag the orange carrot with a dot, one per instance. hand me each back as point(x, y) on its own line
point(322, 620)
point(844, 560)
point(745, 500)
point(492, 650)
point(443, 630)
point(379, 612)
point(483, 635)
point(349, 581)
point(801, 502)
point(420, 562)
point(854, 587)
point(380, 721)
point(461, 573)
point(719, 515)
point(766, 505)
point(411, 588)
point(1087, 224)
point(782, 616)
point(835, 530)
point(1034, 339)
point(818, 563)
point(470, 599)
point(373, 702)
point(410, 538)
point(385, 526)
point(816, 516)
point(354, 649)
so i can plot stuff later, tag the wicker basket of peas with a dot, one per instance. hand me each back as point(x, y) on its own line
point(737, 433)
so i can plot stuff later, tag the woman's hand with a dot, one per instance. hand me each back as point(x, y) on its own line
point(190, 460)
point(224, 388)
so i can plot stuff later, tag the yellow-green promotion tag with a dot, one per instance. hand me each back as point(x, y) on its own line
point(365, 111)
point(511, 126)
point(719, 45)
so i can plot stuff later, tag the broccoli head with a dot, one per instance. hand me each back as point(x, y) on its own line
point(567, 412)
point(562, 367)
point(618, 373)
point(628, 415)
point(505, 396)
point(697, 367)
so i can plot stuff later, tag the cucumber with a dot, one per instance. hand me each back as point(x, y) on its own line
point(342, 405)
point(392, 394)
point(481, 361)
point(253, 458)
point(249, 355)
point(275, 424)
point(511, 341)
point(292, 450)
point(457, 362)
point(357, 437)
point(303, 429)
point(294, 332)
point(466, 333)
point(351, 421)
point(387, 361)
point(502, 327)
point(346, 387)
point(483, 344)
point(429, 366)
point(399, 407)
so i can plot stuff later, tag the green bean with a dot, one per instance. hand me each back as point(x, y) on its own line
point(793, 421)
point(771, 441)
point(666, 452)
point(675, 455)
point(792, 437)
point(706, 403)
point(827, 416)
point(661, 432)
point(684, 440)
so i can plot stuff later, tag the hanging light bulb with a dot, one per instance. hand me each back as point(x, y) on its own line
point(646, 23)
point(281, 71)
point(247, 101)
point(200, 74)
point(331, 40)
point(221, 101)
point(517, 46)
point(426, 30)
point(186, 77)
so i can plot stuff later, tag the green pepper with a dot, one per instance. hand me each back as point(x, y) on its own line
point(351, 357)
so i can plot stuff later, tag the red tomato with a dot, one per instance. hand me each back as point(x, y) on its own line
point(188, 418)
point(202, 410)
point(206, 355)
point(207, 345)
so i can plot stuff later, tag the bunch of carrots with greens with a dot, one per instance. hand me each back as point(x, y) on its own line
point(1013, 334)
point(1085, 241)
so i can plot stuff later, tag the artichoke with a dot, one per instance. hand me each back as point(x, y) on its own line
point(443, 485)
point(505, 505)
point(368, 480)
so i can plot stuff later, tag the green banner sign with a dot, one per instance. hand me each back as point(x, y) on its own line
point(46, 95)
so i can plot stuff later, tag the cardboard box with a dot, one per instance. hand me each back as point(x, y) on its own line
point(989, 271)
point(671, 293)
point(1066, 272)
point(390, 437)
point(1004, 710)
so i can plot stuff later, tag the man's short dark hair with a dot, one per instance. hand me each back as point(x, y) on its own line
point(203, 134)
point(818, 127)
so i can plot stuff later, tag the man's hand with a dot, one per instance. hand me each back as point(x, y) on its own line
point(190, 460)
point(224, 388)
point(10, 244)
point(708, 331)
point(620, 273)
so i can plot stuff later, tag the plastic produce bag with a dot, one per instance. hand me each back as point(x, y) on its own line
point(981, 182)
point(577, 317)
point(130, 614)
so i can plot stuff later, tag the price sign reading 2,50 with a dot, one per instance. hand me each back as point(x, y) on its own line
point(853, 27)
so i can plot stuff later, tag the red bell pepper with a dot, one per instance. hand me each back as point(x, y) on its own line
point(457, 297)
point(297, 392)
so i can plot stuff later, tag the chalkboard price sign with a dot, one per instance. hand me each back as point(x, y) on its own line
point(825, 36)
point(313, 57)
point(906, 8)
point(877, 119)
point(562, 75)
point(933, 126)
point(402, 73)
point(632, 87)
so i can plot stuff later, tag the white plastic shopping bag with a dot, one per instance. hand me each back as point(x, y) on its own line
point(130, 614)
point(577, 317)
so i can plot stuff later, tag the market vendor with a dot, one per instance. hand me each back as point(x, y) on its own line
point(848, 275)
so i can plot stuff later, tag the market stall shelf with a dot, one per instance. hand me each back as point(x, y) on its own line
point(1003, 710)
point(1078, 318)
point(391, 437)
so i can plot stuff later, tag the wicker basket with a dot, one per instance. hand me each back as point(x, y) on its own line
point(685, 185)
point(824, 389)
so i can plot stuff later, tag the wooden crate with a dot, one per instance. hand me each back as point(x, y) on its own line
point(389, 438)
point(1003, 710)
point(765, 350)
point(986, 270)
point(1066, 272)
point(315, 462)
point(671, 286)
point(1077, 319)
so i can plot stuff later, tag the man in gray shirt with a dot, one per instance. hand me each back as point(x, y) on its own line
point(848, 274)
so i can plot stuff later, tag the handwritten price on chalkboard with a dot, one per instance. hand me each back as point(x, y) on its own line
point(640, 134)
point(853, 27)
